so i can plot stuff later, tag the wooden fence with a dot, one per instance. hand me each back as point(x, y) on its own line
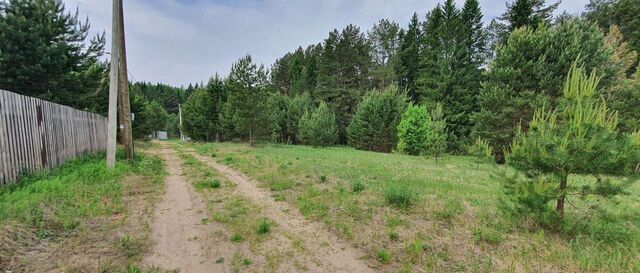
point(37, 134)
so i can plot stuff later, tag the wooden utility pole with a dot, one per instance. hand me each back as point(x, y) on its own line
point(125, 108)
point(113, 86)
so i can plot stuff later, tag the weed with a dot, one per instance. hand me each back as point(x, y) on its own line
point(357, 186)
point(383, 256)
point(281, 185)
point(323, 178)
point(488, 235)
point(208, 184)
point(393, 236)
point(415, 249)
point(264, 226)
point(220, 260)
point(236, 238)
point(399, 195)
point(245, 262)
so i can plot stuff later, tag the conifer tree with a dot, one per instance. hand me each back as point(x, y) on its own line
point(409, 59)
point(44, 54)
point(529, 13)
point(578, 137)
point(318, 128)
point(438, 144)
point(384, 47)
point(248, 109)
point(376, 119)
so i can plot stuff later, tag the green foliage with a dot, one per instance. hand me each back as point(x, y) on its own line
point(45, 53)
point(528, 71)
point(438, 143)
point(376, 119)
point(528, 13)
point(250, 109)
point(577, 137)
point(408, 61)
point(384, 41)
point(415, 130)
point(357, 186)
point(293, 107)
point(201, 112)
point(236, 238)
point(623, 13)
point(454, 50)
point(318, 128)
point(625, 99)
point(481, 150)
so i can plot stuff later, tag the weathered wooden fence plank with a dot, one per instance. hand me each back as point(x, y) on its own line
point(37, 134)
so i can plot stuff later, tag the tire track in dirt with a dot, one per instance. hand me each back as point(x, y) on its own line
point(332, 254)
point(181, 241)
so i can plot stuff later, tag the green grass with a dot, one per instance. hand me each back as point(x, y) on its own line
point(59, 199)
point(451, 206)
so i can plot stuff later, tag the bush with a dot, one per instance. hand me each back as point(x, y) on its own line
point(414, 130)
point(374, 124)
point(399, 195)
point(318, 129)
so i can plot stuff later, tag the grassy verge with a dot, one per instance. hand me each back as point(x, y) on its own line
point(411, 214)
point(65, 218)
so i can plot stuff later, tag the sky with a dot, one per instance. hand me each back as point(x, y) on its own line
point(187, 41)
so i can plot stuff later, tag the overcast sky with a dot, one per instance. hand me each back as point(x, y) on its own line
point(186, 41)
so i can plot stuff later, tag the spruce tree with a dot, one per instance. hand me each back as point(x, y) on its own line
point(409, 59)
point(529, 13)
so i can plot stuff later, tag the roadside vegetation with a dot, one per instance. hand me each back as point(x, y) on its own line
point(410, 213)
point(79, 217)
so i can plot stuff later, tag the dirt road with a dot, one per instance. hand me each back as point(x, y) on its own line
point(184, 243)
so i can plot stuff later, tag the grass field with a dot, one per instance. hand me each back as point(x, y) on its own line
point(412, 214)
point(80, 217)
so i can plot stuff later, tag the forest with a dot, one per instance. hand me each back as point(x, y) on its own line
point(554, 97)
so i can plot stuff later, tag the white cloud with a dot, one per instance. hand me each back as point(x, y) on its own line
point(183, 41)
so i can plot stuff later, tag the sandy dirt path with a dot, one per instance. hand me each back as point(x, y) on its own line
point(182, 242)
point(331, 254)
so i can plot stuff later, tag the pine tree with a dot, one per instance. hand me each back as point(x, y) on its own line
point(201, 111)
point(409, 59)
point(44, 54)
point(318, 128)
point(527, 72)
point(376, 119)
point(384, 42)
point(578, 137)
point(248, 109)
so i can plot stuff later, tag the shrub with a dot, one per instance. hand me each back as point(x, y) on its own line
point(318, 129)
point(414, 130)
point(399, 195)
point(578, 137)
point(374, 124)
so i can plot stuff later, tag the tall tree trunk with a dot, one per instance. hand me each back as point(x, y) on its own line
point(563, 187)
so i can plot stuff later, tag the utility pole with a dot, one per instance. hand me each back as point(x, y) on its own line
point(113, 86)
point(125, 107)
